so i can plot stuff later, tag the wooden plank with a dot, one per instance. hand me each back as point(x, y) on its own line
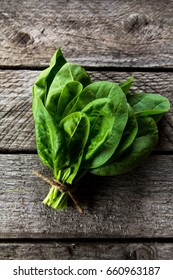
point(139, 204)
point(86, 251)
point(96, 33)
point(16, 121)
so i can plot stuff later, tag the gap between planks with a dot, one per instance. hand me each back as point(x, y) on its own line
point(86, 240)
point(93, 68)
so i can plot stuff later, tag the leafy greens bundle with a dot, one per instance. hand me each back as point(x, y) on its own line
point(83, 126)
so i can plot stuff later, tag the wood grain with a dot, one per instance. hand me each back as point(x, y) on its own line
point(16, 121)
point(139, 204)
point(95, 33)
point(109, 34)
point(86, 251)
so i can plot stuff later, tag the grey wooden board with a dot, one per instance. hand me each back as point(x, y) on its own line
point(96, 33)
point(86, 251)
point(16, 121)
point(139, 204)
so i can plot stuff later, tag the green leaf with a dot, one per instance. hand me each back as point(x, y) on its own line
point(101, 115)
point(68, 73)
point(69, 92)
point(44, 80)
point(79, 102)
point(96, 90)
point(50, 139)
point(76, 127)
point(148, 104)
point(128, 136)
point(142, 146)
point(111, 120)
point(125, 85)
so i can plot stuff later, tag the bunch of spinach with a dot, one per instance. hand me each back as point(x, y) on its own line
point(83, 126)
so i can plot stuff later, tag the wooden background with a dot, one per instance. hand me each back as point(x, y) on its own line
point(125, 217)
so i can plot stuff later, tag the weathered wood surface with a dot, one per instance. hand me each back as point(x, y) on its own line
point(106, 34)
point(97, 33)
point(16, 121)
point(139, 204)
point(86, 251)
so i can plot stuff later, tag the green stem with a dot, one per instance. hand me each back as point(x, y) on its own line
point(56, 199)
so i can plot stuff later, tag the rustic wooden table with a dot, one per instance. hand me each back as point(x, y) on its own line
point(125, 217)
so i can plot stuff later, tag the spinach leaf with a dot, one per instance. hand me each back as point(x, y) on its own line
point(125, 85)
point(69, 108)
point(68, 73)
point(69, 92)
point(128, 136)
point(44, 80)
point(148, 104)
point(96, 90)
point(101, 115)
point(50, 139)
point(102, 102)
point(118, 111)
point(76, 126)
point(80, 101)
point(142, 146)
point(106, 125)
